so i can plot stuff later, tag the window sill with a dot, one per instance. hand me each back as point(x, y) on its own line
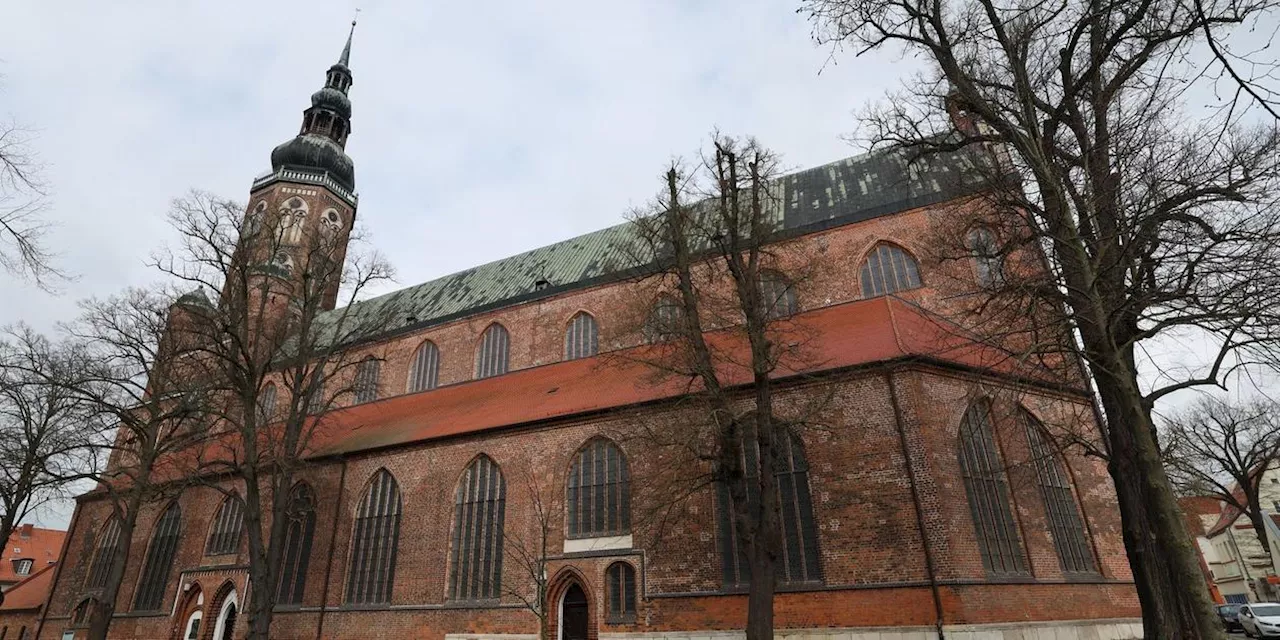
point(621, 620)
point(580, 545)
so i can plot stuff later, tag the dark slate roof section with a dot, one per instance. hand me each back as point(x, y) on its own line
point(842, 192)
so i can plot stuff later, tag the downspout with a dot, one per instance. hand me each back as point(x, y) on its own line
point(915, 500)
point(57, 571)
point(333, 543)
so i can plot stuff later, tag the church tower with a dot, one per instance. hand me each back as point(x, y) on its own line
point(307, 202)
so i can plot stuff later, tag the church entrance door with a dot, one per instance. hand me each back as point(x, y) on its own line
point(573, 614)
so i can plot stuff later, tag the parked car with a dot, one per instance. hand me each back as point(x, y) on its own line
point(1229, 614)
point(1260, 619)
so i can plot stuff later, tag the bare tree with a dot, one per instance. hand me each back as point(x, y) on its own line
point(1223, 449)
point(528, 548)
point(1130, 218)
point(708, 238)
point(22, 204)
point(46, 430)
point(274, 352)
point(132, 370)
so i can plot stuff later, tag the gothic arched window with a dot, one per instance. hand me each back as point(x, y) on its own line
point(889, 269)
point(777, 295)
point(366, 381)
point(82, 613)
point(582, 337)
point(1065, 522)
point(297, 544)
point(988, 265)
point(800, 560)
point(159, 560)
point(426, 367)
point(664, 321)
point(479, 508)
point(107, 548)
point(988, 493)
point(599, 500)
point(253, 222)
point(267, 403)
point(375, 536)
point(492, 358)
point(317, 401)
point(620, 584)
point(224, 535)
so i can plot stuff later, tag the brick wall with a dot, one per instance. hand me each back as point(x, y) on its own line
point(872, 550)
point(872, 547)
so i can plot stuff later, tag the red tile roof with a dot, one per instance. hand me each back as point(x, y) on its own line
point(845, 335)
point(30, 593)
point(41, 546)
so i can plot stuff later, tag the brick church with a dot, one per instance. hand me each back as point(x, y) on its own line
point(914, 511)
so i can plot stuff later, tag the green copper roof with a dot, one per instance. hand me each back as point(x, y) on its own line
point(842, 192)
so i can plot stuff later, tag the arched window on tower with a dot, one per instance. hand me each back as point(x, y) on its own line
point(800, 561)
point(104, 555)
point(293, 220)
point(375, 537)
point(254, 221)
point(424, 372)
point(599, 492)
point(159, 560)
point(479, 509)
point(988, 494)
point(493, 356)
point(777, 295)
point(620, 583)
point(224, 535)
point(1065, 521)
point(331, 222)
point(582, 337)
point(889, 269)
point(366, 380)
point(298, 537)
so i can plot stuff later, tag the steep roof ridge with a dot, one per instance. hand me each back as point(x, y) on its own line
point(845, 191)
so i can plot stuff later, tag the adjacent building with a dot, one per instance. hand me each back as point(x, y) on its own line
point(28, 550)
point(929, 500)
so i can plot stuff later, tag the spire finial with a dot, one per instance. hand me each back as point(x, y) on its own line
point(345, 58)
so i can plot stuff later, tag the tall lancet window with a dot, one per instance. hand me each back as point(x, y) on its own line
point(159, 560)
point(1065, 522)
point(424, 372)
point(988, 493)
point(582, 338)
point(376, 536)
point(479, 508)
point(493, 356)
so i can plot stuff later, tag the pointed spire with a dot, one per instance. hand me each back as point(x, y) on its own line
point(345, 58)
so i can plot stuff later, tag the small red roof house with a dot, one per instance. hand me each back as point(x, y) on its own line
point(23, 602)
point(29, 550)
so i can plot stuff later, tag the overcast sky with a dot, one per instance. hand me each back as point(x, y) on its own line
point(476, 135)
point(480, 130)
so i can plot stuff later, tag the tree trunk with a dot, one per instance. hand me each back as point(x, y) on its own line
point(1175, 600)
point(262, 570)
point(1256, 517)
point(100, 616)
point(760, 595)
